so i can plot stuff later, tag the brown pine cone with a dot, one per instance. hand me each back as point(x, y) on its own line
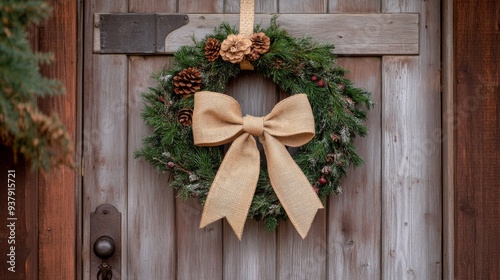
point(253, 55)
point(235, 47)
point(260, 43)
point(185, 116)
point(212, 48)
point(187, 81)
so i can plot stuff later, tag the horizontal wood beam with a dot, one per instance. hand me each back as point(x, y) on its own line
point(352, 34)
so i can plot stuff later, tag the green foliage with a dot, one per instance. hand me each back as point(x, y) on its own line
point(338, 108)
point(41, 139)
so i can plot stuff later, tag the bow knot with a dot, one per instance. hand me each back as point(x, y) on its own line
point(217, 120)
point(253, 125)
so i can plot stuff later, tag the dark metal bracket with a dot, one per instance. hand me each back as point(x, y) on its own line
point(105, 222)
point(128, 33)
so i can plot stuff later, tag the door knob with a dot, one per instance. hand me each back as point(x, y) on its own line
point(105, 242)
point(104, 247)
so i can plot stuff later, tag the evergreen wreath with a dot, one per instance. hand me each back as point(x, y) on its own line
point(296, 65)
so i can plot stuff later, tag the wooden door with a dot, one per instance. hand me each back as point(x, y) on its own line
point(386, 224)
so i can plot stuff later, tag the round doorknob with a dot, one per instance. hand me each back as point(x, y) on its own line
point(104, 247)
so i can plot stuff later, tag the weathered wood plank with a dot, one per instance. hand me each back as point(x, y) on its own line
point(309, 6)
point(199, 251)
point(352, 34)
point(448, 107)
point(151, 204)
point(477, 158)
point(57, 232)
point(261, 6)
point(411, 170)
point(354, 241)
point(196, 6)
point(255, 256)
point(104, 133)
point(152, 6)
point(354, 6)
point(302, 258)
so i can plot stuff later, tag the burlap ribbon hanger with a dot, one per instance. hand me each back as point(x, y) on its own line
point(217, 120)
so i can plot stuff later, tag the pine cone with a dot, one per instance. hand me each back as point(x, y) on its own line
point(187, 81)
point(212, 48)
point(260, 45)
point(260, 42)
point(235, 47)
point(253, 55)
point(185, 116)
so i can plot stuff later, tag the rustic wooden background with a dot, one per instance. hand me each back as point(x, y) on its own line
point(387, 223)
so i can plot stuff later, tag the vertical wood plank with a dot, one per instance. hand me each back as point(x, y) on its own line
point(151, 204)
point(354, 240)
point(255, 256)
point(448, 107)
point(302, 258)
point(199, 251)
point(105, 133)
point(26, 223)
point(354, 251)
point(298, 6)
point(411, 171)
point(57, 213)
point(477, 134)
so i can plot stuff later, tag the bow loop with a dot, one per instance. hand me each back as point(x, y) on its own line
point(217, 120)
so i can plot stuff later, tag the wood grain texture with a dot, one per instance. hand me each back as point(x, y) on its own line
point(255, 256)
point(303, 7)
point(196, 6)
point(352, 34)
point(199, 251)
point(261, 6)
point(353, 6)
point(56, 200)
point(152, 6)
point(448, 108)
point(26, 223)
point(411, 170)
point(151, 203)
point(105, 153)
point(477, 134)
point(302, 258)
point(354, 239)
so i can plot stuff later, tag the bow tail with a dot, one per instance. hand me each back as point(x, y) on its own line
point(290, 185)
point(234, 185)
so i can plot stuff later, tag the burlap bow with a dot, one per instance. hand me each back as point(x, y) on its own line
point(217, 119)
